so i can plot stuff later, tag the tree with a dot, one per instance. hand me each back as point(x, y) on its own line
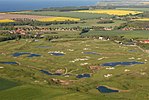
point(84, 30)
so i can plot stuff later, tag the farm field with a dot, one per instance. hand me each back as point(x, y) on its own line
point(14, 16)
point(6, 17)
point(58, 19)
point(82, 23)
point(142, 19)
point(136, 9)
point(112, 12)
point(128, 34)
point(6, 21)
point(89, 23)
point(68, 14)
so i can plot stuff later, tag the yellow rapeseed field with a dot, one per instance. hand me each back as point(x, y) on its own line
point(2, 13)
point(57, 19)
point(112, 12)
point(142, 19)
point(145, 2)
point(6, 21)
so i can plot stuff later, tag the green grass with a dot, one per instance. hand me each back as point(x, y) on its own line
point(26, 82)
point(90, 23)
point(6, 84)
point(82, 89)
point(28, 92)
point(127, 34)
point(63, 34)
point(137, 9)
point(68, 14)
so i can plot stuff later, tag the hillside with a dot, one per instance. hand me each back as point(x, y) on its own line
point(123, 3)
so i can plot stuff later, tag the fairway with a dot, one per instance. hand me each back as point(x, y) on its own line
point(76, 61)
point(6, 84)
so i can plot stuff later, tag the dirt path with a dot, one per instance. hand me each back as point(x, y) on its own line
point(145, 51)
point(14, 16)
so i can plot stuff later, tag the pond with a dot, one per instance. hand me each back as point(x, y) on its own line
point(104, 89)
point(83, 76)
point(42, 47)
point(17, 54)
point(94, 53)
point(113, 64)
point(11, 63)
point(56, 54)
point(48, 73)
point(132, 50)
point(34, 55)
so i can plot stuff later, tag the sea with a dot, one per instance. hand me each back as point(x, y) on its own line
point(18, 5)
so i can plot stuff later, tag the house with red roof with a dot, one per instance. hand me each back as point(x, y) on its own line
point(144, 41)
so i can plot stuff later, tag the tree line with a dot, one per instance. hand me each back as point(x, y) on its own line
point(32, 22)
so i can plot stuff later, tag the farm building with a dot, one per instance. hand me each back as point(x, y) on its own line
point(20, 31)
